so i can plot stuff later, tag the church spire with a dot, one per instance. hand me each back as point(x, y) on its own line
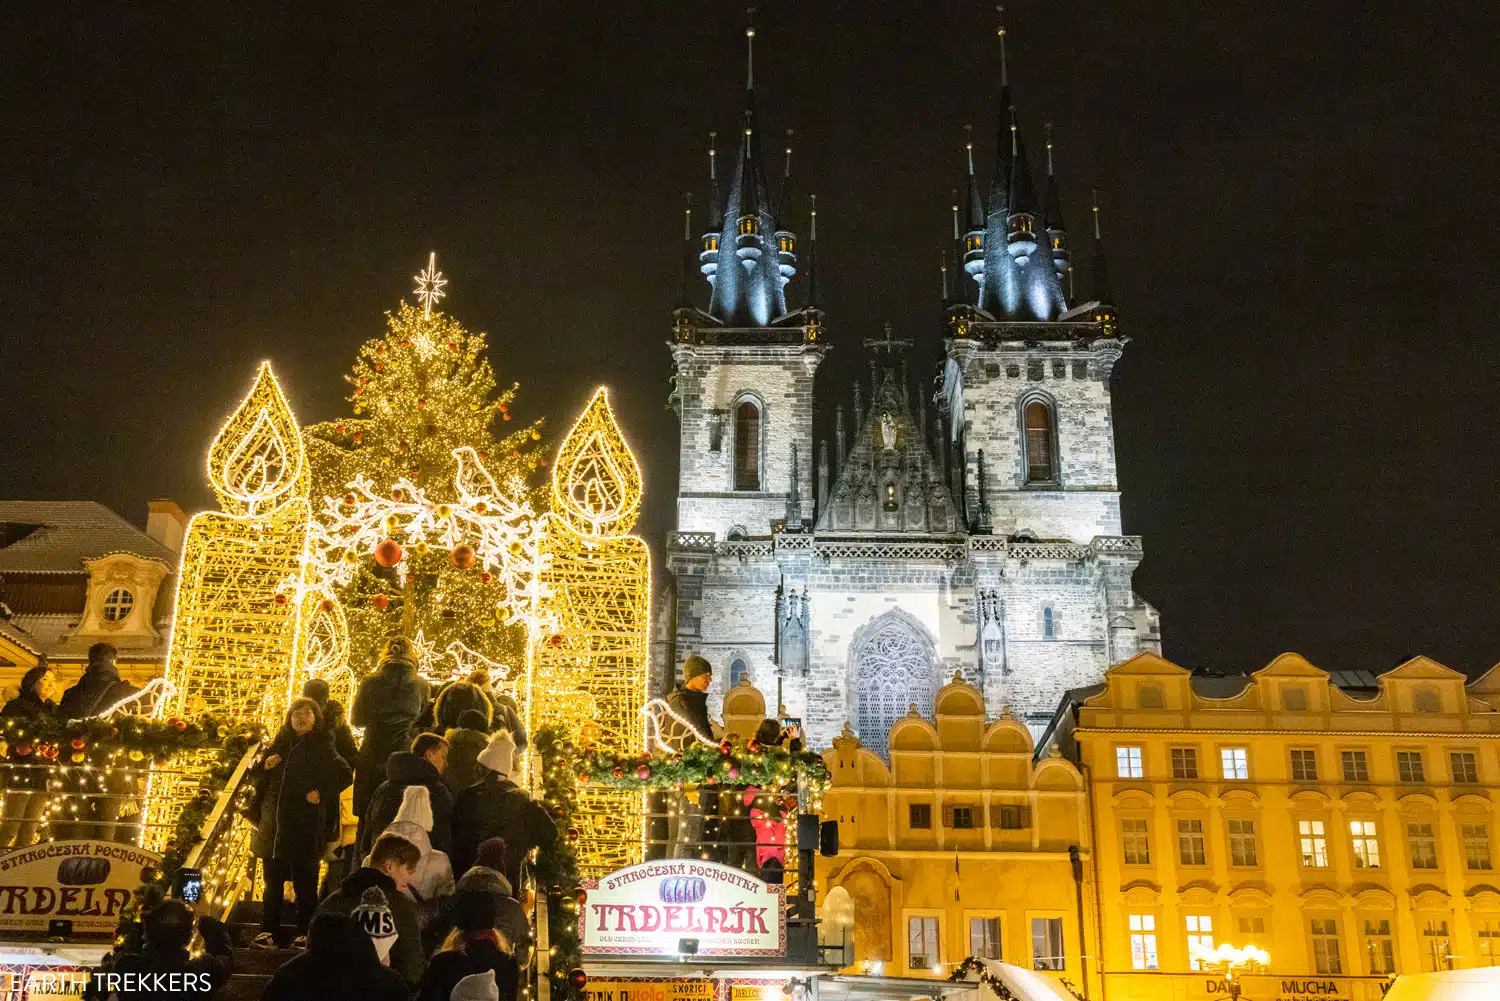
point(1000, 179)
point(1020, 229)
point(1052, 218)
point(973, 238)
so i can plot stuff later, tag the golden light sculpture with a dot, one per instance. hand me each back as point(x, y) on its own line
point(240, 595)
point(590, 673)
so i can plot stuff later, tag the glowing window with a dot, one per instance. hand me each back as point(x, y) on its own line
point(1366, 844)
point(1143, 941)
point(117, 605)
point(747, 446)
point(1041, 466)
point(1128, 763)
point(1234, 763)
point(1314, 844)
point(1200, 937)
point(737, 671)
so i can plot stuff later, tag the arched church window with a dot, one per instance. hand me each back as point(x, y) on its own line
point(1049, 623)
point(747, 446)
point(736, 533)
point(737, 671)
point(1041, 460)
point(892, 671)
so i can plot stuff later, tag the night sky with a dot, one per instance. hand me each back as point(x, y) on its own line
point(1298, 202)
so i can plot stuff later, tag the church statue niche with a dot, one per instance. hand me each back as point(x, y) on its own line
point(791, 633)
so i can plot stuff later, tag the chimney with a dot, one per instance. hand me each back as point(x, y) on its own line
point(166, 523)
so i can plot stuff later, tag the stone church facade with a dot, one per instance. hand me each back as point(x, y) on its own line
point(975, 529)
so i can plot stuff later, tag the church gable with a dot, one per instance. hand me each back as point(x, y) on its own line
point(889, 481)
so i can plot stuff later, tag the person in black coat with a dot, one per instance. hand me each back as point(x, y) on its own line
point(168, 931)
point(25, 796)
point(99, 688)
point(495, 807)
point(423, 765)
point(472, 947)
point(690, 701)
point(298, 791)
point(334, 718)
point(340, 964)
point(387, 706)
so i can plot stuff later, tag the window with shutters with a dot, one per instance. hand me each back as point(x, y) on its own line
point(919, 816)
point(1009, 818)
point(1041, 443)
point(961, 818)
point(747, 446)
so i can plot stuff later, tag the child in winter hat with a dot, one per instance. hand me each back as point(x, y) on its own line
point(476, 987)
point(499, 755)
point(374, 916)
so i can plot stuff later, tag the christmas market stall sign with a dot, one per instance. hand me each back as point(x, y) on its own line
point(85, 882)
point(650, 908)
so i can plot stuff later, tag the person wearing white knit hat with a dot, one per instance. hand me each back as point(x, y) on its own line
point(496, 807)
point(476, 987)
point(434, 876)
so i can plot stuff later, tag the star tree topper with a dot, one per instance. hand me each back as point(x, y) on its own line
point(430, 285)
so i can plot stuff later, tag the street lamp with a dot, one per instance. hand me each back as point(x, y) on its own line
point(1229, 959)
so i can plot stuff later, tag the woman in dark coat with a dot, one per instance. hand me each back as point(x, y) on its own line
point(387, 707)
point(299, 791)
point(25, 798)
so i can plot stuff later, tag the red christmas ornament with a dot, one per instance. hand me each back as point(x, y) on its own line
point(753, 747)
point(583, 779)
point(379, 367)
point(23, 750)
point(618, 772)
point(406, 344)
point(452, 345)
point(482, 456)
point(398, 495)
point(573, 833)
point(485, 577)
point(422, 404)
point(78, 743)
point(326, 604)
point(515, 454)
point(583, 897)
point(381, 602)
point(725, 748)
point(555, 640)
point(359, 436)
point(790, 802)
point(462, 556)
point(177, 723)
point(380, 349)
point(505, 416)
point(388, 553)
point(481, 507)
point(643, 773)
point(280, 599)
point(350, 500)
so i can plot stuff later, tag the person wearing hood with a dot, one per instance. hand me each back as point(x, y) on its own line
point(168, 929)
point(390, 868)
point(423, 765)
point(434, 875)
point(476, 987)
point(474, 946)
point(454, 700)
point(495, 807)
point(299, 790)
point(341, 964)
point(387, 706)
point(465, 741)
point(25, 786)
point(99, 688)
point(506, 715)
point(510, 917)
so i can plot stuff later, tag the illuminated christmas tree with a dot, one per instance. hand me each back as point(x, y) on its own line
point(420, 392)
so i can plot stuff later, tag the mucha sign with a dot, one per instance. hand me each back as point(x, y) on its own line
point(85, 882)
point(670, 907)
point(1267, 986)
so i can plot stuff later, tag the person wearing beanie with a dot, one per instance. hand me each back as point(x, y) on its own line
point(387, 706)
point(390, 868)
point(340, 964)
point(422, 765)
point(476, 987)
point(689, 722)
point(496, 807)
point(434, 875)
point(168, 931)
point(510, 916)
point(465, 741)
point(374, 917)
point(472, 947)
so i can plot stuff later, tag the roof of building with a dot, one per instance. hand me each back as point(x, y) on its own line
point(57, 536)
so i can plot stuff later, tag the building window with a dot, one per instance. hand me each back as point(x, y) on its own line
point(1437, 954)
point(1380, 951)
point(1325, 945)
point(1252, 929)
point(1409, 766)
point(1200, 937)
point(984, 938)
point(1128, 763)
point(1143, 941)
point(1041, 464)
point(1294, 699)
point(1304, 766)
point(963, 818)
point(1356, 769)
point(117, 605)
point(1423, 845)
point(1184, 762)
point(1010, 818)
point(1477, 846)
point(1242, 843)
point(1426, 700)
point(1234, 763)
point(1047, 944)
point(1190, 846)
point(1152, 697)
point(737, 671)
point(1465, 767)
point(1489, 942)
point(1051, 621)
point(747, 446)
point(1135, 837)
point(919, 816)
point(922, 943)
point(1314, 846)
point(1366, 844)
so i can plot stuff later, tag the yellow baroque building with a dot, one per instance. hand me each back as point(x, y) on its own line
point(964, 845)
point(1346, 824)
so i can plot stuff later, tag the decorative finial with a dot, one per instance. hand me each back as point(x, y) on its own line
point(1000, 32)
point(969, 147)
point(787, 172)
point(750, 49)
point(1047, 129)
point(713, 156)
point(1094, 195)
point(1014, 130)
point(430, 285)
point(687, 215)
point(813, 225)
point(954, 192)
point(944, 268)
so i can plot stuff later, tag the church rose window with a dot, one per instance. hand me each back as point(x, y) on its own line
point(747, 446)
point(893, 670)
point(1040, 464)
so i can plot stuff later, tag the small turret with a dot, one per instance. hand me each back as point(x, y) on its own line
point(1020, 223)
point(974, 234)
point(786, 243)
point(1052, 220)
point(708, 257)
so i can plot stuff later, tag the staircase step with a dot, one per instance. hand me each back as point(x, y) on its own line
point(260, 962)
point(244, 987)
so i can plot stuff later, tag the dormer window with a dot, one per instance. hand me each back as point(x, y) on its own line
point(749, 226)
point(117, 605)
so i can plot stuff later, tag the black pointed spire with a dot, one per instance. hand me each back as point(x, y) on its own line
point(783, 205)
point(1052, 213)
point(1022, 188)
point(1052, 222)
point(1102, 291)
point(685, 299)
point(1000, 180)
point(976, 204)
point(812, 255)
point(715, 204)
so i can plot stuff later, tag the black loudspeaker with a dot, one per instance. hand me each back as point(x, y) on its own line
point(807, 831)
point(828, 838)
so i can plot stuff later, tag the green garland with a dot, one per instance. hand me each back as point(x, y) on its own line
point(743, 764)
point(557, 866)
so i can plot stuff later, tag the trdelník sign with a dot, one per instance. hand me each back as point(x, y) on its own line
point(674, 906)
